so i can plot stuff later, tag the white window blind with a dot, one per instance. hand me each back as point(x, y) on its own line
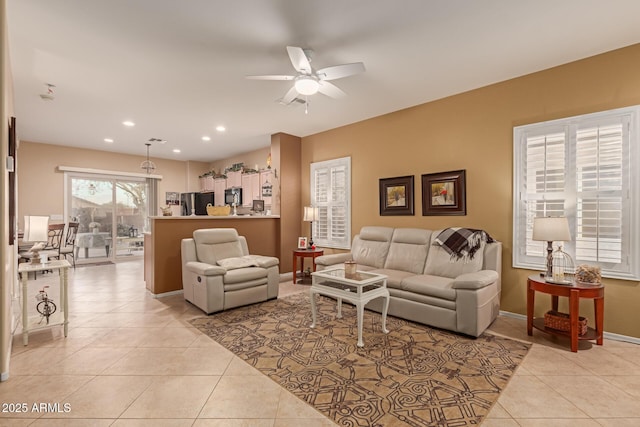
point(582, 168)
point(331, 194)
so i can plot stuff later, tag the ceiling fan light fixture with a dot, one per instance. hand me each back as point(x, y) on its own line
point(307, 85)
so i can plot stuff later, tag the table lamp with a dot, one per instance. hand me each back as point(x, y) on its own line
point(36, 229)
point(551, 229)
point(310, 215)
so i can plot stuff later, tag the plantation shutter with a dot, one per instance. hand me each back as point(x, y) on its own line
point(330, 193)
point(581, 168)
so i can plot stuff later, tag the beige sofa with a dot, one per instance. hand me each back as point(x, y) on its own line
point(426, 285)
point(218, 272)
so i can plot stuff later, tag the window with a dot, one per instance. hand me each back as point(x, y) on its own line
point(583, 168)
point(331, 194)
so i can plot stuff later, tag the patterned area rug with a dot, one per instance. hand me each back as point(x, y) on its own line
point(413, 376)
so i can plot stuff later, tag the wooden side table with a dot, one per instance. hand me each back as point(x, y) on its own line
point(61, 316)
point(574, 292)
point(302, 254)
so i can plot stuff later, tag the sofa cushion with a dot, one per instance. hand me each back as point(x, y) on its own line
point(435, 286)
point(408, 250)
point(394, 277)
point(215, 244)
point(244, 275)
point(440, 263)
point(236, 262)
point(370, 247)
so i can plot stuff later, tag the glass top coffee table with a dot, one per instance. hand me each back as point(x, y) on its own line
point(358, 289)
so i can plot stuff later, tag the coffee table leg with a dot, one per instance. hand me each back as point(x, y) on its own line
point(384, 314)
point(339, 315)
point(313, 309)
point(360, 308)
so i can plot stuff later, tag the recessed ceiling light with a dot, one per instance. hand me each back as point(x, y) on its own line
point(176, 150)
point(128, 123)
point(108, 140)
point(221, 128)
point(206, 138)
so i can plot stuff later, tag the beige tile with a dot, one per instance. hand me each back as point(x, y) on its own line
point(500, 422)
point(173, 397)
point(237, 422)
point(556, 422)
point(66, 422)
point(528, 397)
point(243, 397)
point(172, 361)
point(125, 422)
point(630, 384)
point(292, 407)
point(16, 422)
point(88, 361)
point(37, 361)
point(106, 396)
point(497, 411)
point(594, 396)
point(618, 422)
point(239, 367)
point(170, 337)
point(35, 389)
point(121, 337)
point(309, 422)
point(600, 361)
point(547, 361)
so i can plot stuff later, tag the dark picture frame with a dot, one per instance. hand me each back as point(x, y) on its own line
point(444, 193)
point(257, 206)
point(396, 196)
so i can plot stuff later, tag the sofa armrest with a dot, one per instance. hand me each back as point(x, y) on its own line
point(332, 259)
point(263, 261)
point(205, 269)
point(476, 280)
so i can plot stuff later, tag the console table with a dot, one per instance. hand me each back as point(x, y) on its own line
point(61, 316)
point(574, 292)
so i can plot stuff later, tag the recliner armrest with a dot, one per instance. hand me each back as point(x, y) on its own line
point(205, 269)
point(332, 259)
point(263, 261)
point(476, 280)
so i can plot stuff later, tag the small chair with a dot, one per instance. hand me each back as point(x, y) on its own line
point(52, 247)
point(218, 273)
point(68, 248)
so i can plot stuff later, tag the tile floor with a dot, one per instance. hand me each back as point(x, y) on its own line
point(132, 360)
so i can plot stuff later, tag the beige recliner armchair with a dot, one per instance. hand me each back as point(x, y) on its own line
point(218, 272)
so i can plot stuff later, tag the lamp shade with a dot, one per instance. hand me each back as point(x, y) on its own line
point(551, 229)
point(310, 214)
point(36, 228)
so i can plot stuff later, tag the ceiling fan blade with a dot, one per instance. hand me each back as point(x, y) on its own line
point(271, 77)
point(299, 59)
point(340, 71)
point(330, 90)
point(289, 96)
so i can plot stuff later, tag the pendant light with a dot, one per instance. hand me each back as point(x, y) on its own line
point(148, 165)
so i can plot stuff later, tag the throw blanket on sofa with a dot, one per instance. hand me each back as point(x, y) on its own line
point(462, 243)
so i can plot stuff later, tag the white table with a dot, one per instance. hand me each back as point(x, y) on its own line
point(359, 290)
point(61, 316)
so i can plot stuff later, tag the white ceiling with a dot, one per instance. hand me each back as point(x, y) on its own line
point(177, 67)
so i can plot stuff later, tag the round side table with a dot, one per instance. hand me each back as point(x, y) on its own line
point(302, 254)
point(574, 292)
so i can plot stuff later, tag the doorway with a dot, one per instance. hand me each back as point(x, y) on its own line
point(112, 213)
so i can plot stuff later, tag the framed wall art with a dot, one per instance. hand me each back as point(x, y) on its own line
point(396, 196)
point(444, 193)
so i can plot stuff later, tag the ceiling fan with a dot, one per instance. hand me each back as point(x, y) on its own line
point(308, 81)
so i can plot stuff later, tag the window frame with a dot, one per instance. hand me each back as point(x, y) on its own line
point(345, 243)
point(629, 267)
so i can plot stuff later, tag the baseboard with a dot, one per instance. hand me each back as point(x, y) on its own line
point(607, 335)
point(285, 277)
point(166, 294)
